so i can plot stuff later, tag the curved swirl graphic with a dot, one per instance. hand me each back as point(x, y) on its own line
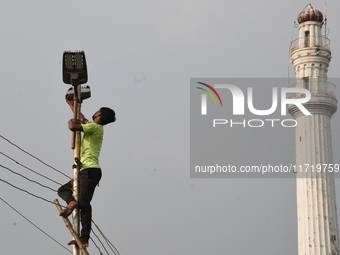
point(210, 93)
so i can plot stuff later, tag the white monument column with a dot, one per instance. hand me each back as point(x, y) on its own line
point(316, 206)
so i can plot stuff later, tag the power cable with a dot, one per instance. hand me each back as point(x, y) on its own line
point(27, 192)
point(34, 156)
point(35, 225)
point(36, 196)
point(105, 238)
point(48, 202)
point(28, 178)
point(29, 168)
point(97, 245)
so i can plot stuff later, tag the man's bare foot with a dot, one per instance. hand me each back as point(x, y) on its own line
point(69, 209)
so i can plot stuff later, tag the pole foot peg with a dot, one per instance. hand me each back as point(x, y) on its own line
point(77, 163)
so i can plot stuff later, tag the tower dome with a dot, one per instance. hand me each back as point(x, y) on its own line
point(310, 14)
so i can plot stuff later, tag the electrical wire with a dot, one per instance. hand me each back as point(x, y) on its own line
point(33, 182)
point(114, 249)
point(28, 178)
point(23, 190)
point(32, 171)
point(29, 168)
point(34, 157)
point(36, 196)
point(97, 245)
point(106, 239)
point(27, 192)
point(35, 225)
point(48, 202)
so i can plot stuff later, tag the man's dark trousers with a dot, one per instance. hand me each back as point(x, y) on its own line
point(88, 180)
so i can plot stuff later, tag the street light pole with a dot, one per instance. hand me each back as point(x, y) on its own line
point(75, 73)
point(76, 143)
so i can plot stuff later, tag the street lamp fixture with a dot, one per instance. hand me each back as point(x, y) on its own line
point(74, 68)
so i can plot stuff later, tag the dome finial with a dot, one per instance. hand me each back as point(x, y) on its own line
point(310, 14)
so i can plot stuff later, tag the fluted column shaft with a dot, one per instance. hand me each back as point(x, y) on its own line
point(317, 214)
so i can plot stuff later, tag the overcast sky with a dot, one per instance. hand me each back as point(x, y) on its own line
point(141, 56)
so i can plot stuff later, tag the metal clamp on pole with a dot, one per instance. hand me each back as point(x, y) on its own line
point(85, 93)
point(77, 164)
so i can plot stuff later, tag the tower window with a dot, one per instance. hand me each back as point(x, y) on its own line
point(307, 39)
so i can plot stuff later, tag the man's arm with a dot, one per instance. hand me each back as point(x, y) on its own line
point(71, 104)
point(73, 126)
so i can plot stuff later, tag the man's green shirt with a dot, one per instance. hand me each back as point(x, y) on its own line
point(91, 145)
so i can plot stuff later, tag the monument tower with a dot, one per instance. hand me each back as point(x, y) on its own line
point(316, 206)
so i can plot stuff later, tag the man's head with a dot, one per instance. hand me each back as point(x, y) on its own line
point(104, 116)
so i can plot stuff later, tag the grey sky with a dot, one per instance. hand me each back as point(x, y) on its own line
point(146, 202)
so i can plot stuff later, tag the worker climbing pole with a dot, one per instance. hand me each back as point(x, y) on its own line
point(75, 73)
point(87, 171)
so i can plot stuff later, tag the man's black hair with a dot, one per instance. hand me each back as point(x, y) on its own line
point(107, 116)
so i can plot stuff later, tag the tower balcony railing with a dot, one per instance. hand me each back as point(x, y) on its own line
point(321, 88)
point(320, 42)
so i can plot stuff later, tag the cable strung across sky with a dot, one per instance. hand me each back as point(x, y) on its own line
point(44, 186)
point(34, 157)
point(34, 224)
point(29, 168)
point(111, 246)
